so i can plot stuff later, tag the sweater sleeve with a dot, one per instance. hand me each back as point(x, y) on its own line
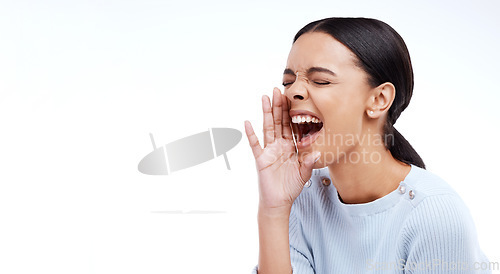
point(300, 264)
point(441, 238)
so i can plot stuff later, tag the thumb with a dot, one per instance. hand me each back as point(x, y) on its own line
point(307, 164)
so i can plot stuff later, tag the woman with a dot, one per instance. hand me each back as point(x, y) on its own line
point(350, 194)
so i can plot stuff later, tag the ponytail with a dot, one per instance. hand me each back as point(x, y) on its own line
point(400, 148)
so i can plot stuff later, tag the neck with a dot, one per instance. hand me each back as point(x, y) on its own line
point(365, 181)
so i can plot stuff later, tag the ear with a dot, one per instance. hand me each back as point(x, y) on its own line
point(380, 100)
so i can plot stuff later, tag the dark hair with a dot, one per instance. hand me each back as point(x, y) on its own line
point(383, 55)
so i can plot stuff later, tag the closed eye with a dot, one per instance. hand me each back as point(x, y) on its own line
point(285, 84)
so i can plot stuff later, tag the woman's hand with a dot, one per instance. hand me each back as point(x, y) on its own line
point(282, 173)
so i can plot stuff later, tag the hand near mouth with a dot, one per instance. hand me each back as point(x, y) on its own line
point(281, 172)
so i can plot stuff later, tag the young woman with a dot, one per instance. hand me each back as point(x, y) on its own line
point(346, 193)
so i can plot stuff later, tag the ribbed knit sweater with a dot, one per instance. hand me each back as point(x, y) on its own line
point(423, 226)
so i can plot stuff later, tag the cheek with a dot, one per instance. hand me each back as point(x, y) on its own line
point(340, 114)
point(342, 108)
point(342, 123)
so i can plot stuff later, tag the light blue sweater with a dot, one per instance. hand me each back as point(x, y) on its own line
point(423, 226)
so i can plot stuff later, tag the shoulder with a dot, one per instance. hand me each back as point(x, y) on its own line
point(438, 215)
point(439, 228)
point(421, 185)
point(434, 201)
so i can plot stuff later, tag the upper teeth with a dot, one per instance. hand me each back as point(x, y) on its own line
point(304, 119)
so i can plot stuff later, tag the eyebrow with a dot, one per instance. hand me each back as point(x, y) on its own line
point(311, 70)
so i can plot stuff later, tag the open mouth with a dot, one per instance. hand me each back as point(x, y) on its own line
point(306, 127)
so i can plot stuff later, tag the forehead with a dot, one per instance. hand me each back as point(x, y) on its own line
point(319, 49)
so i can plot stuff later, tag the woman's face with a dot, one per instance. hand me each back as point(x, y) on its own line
point(321, 78)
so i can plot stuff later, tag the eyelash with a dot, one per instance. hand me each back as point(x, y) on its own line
point(317, 83)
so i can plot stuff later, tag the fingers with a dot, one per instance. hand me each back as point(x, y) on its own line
point(287, 130)
point(253, 140)
point(306, 165)
point(277, 113)
point(268, 121)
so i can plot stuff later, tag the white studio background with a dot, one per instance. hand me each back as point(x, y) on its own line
point(83, 83)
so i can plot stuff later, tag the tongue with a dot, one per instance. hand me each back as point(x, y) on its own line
point(310, 129)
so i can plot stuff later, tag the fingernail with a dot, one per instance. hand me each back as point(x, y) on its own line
point(317, 157)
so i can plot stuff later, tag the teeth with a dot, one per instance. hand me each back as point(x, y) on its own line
point(300, 119)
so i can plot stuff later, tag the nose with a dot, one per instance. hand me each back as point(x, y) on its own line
point(298, 90)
